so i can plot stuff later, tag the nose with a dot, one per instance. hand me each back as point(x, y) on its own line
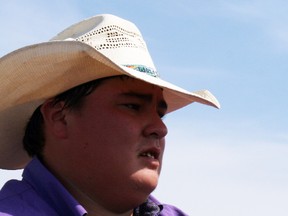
point(156, 128)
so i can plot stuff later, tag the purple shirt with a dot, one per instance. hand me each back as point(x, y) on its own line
point(40, 193)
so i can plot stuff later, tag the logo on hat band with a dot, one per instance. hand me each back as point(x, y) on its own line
point(144, 69)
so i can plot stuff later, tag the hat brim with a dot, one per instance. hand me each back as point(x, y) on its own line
point(35, 73)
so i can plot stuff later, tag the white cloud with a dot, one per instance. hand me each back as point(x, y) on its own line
point(279, 31)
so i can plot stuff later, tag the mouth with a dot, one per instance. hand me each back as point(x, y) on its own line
point(152, 153)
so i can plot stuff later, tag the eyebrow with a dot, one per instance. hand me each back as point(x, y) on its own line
point(146, 97)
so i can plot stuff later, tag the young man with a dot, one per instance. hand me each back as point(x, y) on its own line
point(91, 103)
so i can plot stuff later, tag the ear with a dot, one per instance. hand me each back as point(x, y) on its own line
point(54, 118)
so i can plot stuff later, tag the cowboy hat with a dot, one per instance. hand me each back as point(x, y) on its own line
point(101, 46)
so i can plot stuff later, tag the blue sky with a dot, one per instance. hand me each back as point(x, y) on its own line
point(227, 162)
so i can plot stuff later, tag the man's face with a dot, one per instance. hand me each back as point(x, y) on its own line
point(116, 141)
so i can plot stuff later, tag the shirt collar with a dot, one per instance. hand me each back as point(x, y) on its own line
point(51, 190)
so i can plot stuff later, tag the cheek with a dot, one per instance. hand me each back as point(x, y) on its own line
point(106, 139)
point(113, 129)
point(103, 140)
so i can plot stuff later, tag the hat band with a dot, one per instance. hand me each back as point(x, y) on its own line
point(144, 69)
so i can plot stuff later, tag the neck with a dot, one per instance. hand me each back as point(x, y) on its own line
point(89, 204)
point(92, 206)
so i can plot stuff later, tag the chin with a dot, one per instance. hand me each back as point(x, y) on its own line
point(145, 181)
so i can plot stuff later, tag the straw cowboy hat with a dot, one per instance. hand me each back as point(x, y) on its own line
point(100, 46)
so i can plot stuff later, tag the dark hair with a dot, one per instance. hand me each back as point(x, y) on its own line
point(34, 139)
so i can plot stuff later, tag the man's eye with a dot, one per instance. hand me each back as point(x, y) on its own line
point(133, 106)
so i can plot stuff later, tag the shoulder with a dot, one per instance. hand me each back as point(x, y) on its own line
point(19, 198)
point(168, 210)
point(13, 189)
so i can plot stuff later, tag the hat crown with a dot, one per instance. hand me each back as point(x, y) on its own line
point(116, 38)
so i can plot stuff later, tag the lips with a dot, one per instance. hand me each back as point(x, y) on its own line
point(152, 153)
